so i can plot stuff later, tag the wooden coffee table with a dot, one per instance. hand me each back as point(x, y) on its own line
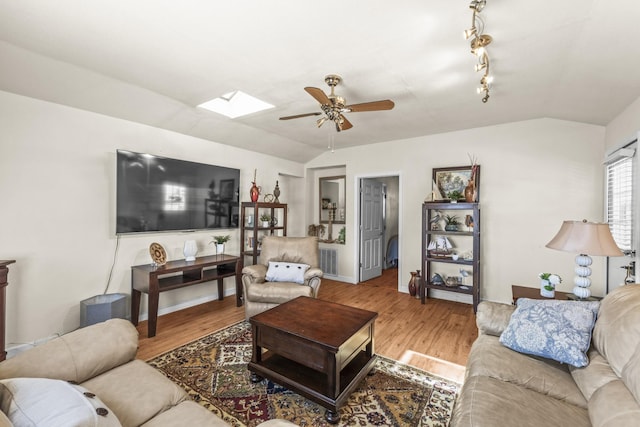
point(319, 349)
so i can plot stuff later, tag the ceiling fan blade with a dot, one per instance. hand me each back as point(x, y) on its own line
point(386, 104)
point(318, 94)
point(297, 116)
point(346, 124)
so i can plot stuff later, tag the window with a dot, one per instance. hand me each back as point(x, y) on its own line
point(620, 198)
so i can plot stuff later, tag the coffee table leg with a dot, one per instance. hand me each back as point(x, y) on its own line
point(255, 378)
point(332, 417)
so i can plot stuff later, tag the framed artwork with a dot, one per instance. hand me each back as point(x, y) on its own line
point(226, 189)
point(325, 203)
point(456, 178)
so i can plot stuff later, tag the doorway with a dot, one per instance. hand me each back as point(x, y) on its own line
point(378, 225)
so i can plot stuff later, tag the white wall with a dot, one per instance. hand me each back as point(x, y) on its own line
point(57, 183)
point(624, 128)
point(534, 175)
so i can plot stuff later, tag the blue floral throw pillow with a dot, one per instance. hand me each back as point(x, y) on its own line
point(555, 329)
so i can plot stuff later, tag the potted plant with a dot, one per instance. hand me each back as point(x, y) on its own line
point(451, 222)
point(265, 218)
point(220, 241)
point(455, 195)
point(548, 282)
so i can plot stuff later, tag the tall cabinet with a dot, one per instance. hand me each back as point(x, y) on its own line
point(252, 228)
point(458, 265)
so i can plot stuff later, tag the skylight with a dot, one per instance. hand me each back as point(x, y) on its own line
point(236, 104)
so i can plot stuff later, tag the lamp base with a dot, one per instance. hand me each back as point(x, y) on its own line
point(581, 293)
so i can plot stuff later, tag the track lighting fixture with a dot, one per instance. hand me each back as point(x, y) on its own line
point(479, 43)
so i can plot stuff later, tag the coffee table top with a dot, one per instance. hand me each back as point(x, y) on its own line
point(321, 321)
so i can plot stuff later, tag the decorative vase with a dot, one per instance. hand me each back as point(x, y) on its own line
point(254, 192)
point(469, 192)
point(413, 284)
point(219, 248)
point(276, 193)
point(190, 250)
point(545, 292)
point(265, 224)
point(418, 283)
point(451, 227)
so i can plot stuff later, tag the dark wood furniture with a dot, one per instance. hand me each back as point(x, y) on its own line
point(152, 280)
point(319, 349)
point(534, 293)
point(4, 270)
point(429, 260)
point(250, 232)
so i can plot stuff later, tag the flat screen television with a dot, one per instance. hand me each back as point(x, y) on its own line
point(161, 194)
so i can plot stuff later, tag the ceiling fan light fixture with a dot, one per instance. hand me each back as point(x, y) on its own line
point(321, 121)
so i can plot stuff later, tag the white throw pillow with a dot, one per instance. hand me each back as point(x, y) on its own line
point(45, 402)
point(286, 272)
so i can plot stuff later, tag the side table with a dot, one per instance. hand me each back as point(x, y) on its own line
point(518, 291)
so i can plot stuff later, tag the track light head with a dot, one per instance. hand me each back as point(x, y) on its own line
point(477, 5)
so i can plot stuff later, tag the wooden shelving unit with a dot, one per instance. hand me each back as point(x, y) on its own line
point(255, 230)
point(429, 261)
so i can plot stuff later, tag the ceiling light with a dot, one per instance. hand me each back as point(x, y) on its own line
point(479, 45)
point(235, 104)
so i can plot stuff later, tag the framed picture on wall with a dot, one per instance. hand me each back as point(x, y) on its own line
point(325, 203)
point(454, 180)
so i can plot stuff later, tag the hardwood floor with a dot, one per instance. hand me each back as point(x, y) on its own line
point(435, 337)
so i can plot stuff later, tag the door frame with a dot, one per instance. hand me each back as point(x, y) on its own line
point(356, 230)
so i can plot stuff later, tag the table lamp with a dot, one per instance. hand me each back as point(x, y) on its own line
point(584, 238)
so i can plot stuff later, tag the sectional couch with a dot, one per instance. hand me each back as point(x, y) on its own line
point(506, 388)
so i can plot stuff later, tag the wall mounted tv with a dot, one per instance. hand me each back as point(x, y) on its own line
point(160, 194)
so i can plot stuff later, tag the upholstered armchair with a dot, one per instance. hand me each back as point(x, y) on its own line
point(287, 268)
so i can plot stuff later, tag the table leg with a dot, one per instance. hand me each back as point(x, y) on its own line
point(239, 296)
point(153, 314)
point(135, 306)
point(332, 417)
point(220, 289)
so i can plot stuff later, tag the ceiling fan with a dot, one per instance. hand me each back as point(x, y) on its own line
point(334, 105)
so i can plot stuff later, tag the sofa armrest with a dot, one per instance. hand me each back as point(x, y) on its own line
point(78, 355)
point(254, 273)
point(313, 278)
point(492, 318)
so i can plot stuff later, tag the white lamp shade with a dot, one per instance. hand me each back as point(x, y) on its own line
point(584, 237)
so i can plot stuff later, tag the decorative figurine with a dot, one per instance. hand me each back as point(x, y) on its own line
point(276, 193)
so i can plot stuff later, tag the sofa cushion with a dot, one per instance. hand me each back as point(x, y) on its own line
point(280, 271)
point(276, 292)
point(136, 392)
point(493, 318)
point(489, 402)
point(4, 421)
point(491, 359)
point(77, 356)
point(556, 329)
point(612, 405)
point(617, 334)
point(593, 376)
point(187, 413)
point(45, 402)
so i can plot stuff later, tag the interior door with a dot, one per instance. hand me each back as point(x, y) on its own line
point(371, 228)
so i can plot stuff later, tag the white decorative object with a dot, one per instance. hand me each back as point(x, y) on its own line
point(190, 250)
point(219, 248)
point(544, 291)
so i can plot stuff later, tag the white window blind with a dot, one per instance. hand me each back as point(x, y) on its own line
point(620, 201)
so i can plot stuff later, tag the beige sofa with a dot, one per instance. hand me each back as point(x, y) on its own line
point(260, 294)
point(101, 359)
point(506, 388)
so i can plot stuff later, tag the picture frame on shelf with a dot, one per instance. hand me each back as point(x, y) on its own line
point(455, 179)
point(326, 203)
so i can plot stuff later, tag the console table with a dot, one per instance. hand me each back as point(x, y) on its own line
point(152, 279)
point(3, 305)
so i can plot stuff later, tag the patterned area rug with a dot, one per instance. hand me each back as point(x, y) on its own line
point(213, 371)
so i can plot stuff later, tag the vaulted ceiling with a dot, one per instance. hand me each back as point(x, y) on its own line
point(153, 62)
